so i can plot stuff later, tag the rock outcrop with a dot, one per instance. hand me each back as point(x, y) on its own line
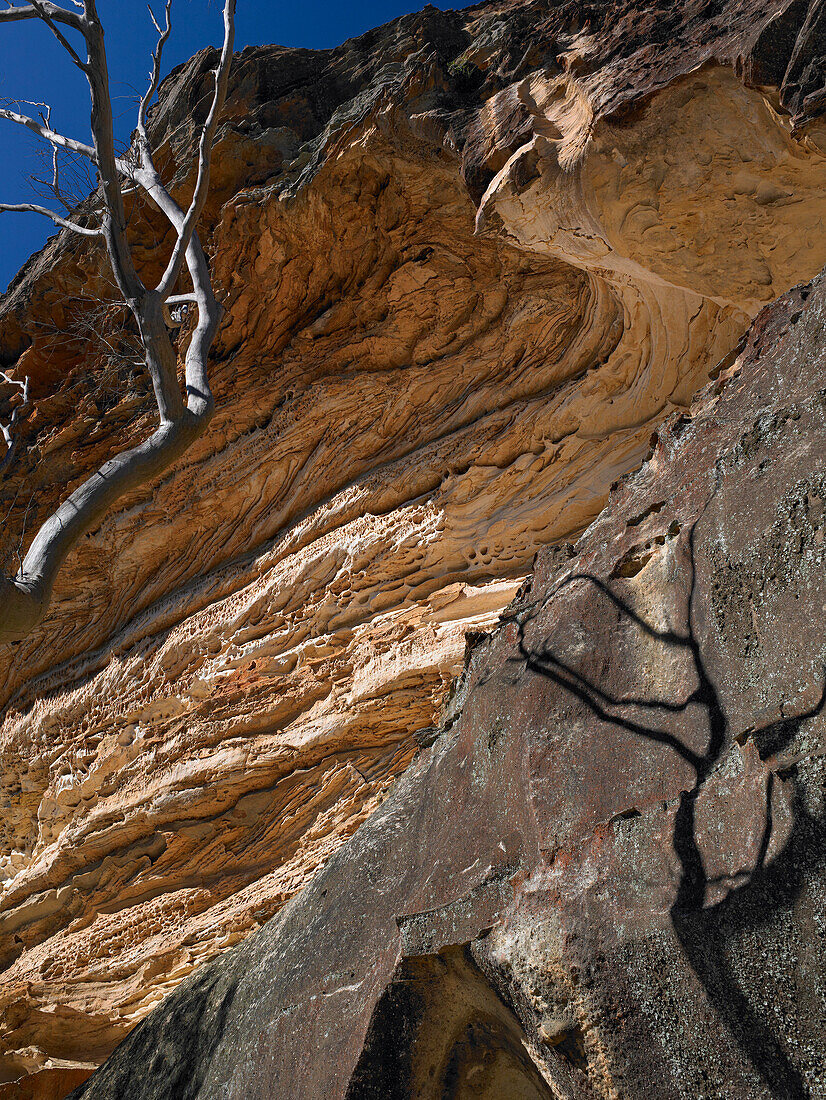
point(470, 261)
point(606, 877)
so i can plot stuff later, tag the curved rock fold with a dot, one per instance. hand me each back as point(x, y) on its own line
point(470, 263)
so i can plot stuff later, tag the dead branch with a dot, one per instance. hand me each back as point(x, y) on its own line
point(64, 223)
point(46, 15)
point(24, 599)
point(8, 429)
point(53, 11)
point(46, 132)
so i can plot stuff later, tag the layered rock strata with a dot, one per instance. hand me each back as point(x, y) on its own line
point(606, 877)
point(470, 261)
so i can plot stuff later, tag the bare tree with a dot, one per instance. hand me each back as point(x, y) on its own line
point(25, 598)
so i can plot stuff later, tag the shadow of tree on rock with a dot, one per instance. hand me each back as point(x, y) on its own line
point(703, 927)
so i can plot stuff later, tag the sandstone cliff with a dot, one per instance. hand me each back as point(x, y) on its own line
point(471, 262)
point(606, 878)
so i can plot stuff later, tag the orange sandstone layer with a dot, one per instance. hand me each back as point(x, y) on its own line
point(463, 286)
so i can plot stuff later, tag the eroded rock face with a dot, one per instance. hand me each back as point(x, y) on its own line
point(470, 262)
point(606, 877)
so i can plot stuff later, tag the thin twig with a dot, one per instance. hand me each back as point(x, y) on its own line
point(59, 35)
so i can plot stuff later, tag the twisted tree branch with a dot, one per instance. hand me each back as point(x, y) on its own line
point(24, 599)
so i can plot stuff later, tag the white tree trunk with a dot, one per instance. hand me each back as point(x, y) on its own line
point(25, 598)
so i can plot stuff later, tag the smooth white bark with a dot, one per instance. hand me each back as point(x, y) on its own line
point(25, 598)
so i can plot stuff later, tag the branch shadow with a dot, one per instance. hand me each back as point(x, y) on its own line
point(702, 928)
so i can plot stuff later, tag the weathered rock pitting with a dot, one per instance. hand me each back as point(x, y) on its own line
point(470, 262)
point(606, 877)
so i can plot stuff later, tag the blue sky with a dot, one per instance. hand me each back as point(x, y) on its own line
point(33, 66)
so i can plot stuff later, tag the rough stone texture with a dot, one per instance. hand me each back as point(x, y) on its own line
point(470, 262)
point(46, 1084)
point(606, 877)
